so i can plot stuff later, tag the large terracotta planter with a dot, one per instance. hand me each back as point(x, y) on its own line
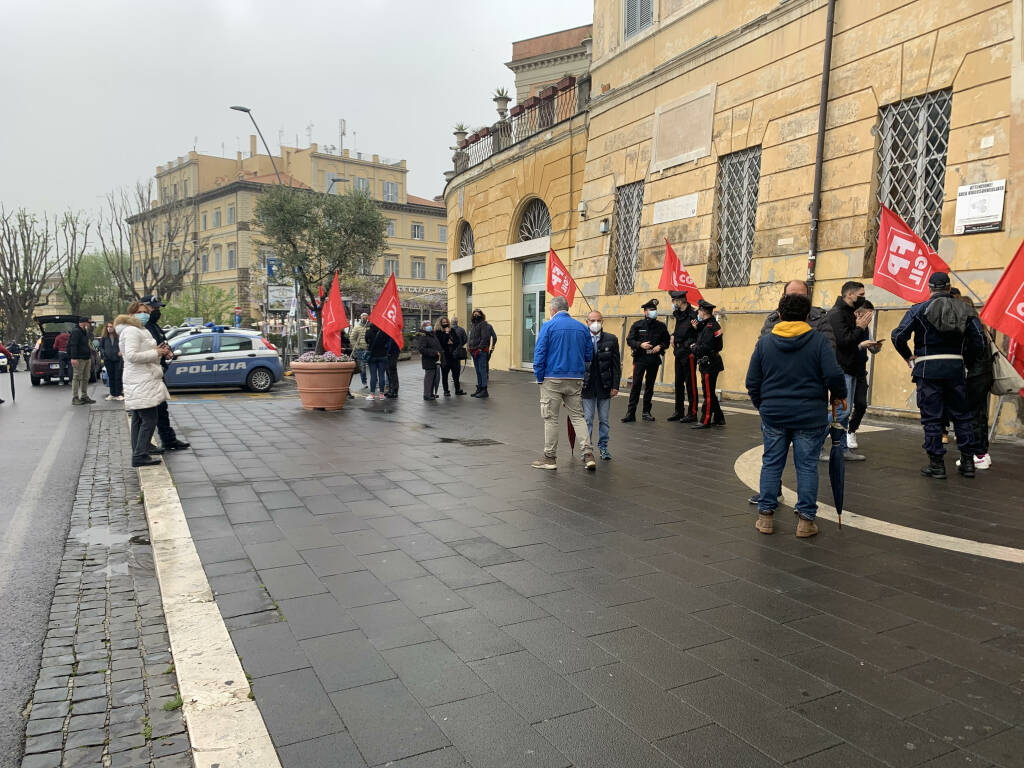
point(323, 386)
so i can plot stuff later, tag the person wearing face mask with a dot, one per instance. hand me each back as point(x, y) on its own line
point(359, 349)
point(168, 439)
point(430, 358)
point(601, 381)
point(648, 338)
point(683, 336)
point(482, 341)
point(450, 345)
point(851, 332)
point(708, 351)
point(144, 388)
point(112, 362)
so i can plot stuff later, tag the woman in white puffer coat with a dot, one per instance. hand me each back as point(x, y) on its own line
point(143, 379)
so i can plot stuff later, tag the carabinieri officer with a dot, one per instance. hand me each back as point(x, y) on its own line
point(648, 338)
point(683, 337)
point(707, 350)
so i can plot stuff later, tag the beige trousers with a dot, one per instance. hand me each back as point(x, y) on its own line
point(80, 379)
point(554, 392)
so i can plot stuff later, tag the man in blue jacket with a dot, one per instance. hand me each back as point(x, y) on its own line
point(793, 373)
point(560, 359)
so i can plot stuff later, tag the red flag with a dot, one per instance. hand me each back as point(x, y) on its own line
point(1016, 357)
point(1004, 309)
point(334, 318)
point(903, 261)
point(387, 312)
point(674, 276)
point(560, 282)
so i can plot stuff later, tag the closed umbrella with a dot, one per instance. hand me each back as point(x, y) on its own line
point(10, 371)
point(836, 463)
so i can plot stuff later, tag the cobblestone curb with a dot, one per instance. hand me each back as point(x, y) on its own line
point(107, 693)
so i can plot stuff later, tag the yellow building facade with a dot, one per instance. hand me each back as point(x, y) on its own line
point(221, 194)
point(701, 127)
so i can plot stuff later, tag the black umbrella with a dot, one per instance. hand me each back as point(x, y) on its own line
point(836, 462)
point(10, 371)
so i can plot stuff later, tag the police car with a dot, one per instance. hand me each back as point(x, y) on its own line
point(223, 358)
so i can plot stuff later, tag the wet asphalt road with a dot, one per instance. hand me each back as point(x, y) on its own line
point(41, 446)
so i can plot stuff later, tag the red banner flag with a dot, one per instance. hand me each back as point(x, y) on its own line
point(1004, 309)
point(387, 312)
point(903, 261)
point(560, 282)
point(1015, 355)
point(334, 318)
point(674, 276)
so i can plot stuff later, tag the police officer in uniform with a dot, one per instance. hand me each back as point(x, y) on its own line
point(937, 365)
point(683, 337)
point(648, 338)
point(707, 349)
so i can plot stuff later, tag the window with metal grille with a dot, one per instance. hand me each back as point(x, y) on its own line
point(914, 136)
point(466, 246)
point(735, 215)
point(638, 15)
point(390, 191)
point(629, 202)
point(536, 221)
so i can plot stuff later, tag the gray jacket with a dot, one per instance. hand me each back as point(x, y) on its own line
point(816, 319)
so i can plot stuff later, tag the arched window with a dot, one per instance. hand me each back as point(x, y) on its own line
point(466, 247)
point(536, 221)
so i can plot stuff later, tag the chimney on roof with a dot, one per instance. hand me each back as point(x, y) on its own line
point(376, 158)
point(252, 145)
point(238, 157)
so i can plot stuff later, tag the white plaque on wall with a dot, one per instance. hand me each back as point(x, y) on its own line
point(979, 207)
point(675, 208)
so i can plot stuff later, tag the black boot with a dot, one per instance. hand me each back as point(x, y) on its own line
point(966, 464)
point(483, 393)
point(937, 467)
point(674, 417)
point(628, 417)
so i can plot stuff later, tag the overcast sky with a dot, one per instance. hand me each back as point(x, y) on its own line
point(96, 94)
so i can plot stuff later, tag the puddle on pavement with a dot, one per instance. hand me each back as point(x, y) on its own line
point(469, 442)
point(102, 535)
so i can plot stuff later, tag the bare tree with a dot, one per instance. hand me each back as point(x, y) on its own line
point(71, 239)
point(25, 266)
point(150, 249)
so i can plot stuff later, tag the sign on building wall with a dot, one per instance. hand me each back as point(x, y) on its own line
point(682, 129)
point(675, 208)
point(979, 207)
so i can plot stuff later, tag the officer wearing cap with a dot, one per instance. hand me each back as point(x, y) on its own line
point(708, 351)
point(168, 439)
point(942, 336)
point(648, 338)
point(683, 337)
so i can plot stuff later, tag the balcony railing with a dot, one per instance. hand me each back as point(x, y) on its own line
point(537, 114)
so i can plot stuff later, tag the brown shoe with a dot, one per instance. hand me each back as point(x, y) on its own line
point(589, 462)
point(765, 523)
point(805, 529)
point(545, 462)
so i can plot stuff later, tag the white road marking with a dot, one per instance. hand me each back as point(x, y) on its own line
point(21, 521)
point(748, 470)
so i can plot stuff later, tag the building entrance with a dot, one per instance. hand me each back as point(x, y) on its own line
point(534, 287)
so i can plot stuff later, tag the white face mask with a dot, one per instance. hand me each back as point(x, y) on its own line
point(595, 327)
point(652, 314)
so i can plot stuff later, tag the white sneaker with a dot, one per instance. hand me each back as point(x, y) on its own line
point(119, 397)
point(851, 439)
point(982, 462)
point(370, 396)
point(109, 397)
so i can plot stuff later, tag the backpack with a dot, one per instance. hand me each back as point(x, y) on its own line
point(947, 315)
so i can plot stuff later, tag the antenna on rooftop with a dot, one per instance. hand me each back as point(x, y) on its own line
point(309, 134)
point(341, 136)
point(280, 139)
point(195, 143)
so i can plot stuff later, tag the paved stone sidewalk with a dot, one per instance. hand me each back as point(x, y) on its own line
point(404, 590)
point(107, 694)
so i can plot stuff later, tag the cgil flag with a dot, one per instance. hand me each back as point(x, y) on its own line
point(903, 261)
point(334, 318)
point(674, 276)
point(560, 282)
point(387, 312)
point(1004, 309)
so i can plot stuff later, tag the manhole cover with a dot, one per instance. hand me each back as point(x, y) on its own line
point(469, 442)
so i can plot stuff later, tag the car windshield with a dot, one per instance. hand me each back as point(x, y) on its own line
point(56, 327)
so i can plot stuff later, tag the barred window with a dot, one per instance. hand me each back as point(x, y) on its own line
point(536, 221)
point(914, 136)
point(629, 203)
point(735, 214)
point(466, 245)
point(638, 15)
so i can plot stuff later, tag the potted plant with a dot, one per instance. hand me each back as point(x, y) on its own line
point(460, 130)
point(501, 100)
point(323, 380)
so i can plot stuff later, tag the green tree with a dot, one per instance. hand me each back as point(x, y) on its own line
point(213, 303)
point(315, 235)
point(98, 291)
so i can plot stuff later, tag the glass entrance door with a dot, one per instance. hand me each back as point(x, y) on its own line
point(534, 297)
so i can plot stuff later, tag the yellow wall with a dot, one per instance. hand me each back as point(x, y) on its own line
point(763, 61)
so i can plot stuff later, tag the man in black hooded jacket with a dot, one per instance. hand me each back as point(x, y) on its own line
point(168, 439)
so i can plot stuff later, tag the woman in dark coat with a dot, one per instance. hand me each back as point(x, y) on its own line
point(377, 360)
point(112, 362)
point(453, 352)
point(430, 357)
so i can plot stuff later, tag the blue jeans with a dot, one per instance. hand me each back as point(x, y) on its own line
point(602, 406)
point(364, 362)
point(843, 414)
point(806, 447)
point(481, 363)
point(378, 373)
